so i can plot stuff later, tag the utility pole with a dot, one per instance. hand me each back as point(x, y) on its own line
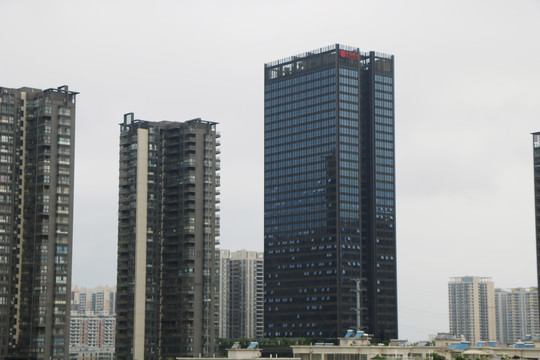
point(358, 290)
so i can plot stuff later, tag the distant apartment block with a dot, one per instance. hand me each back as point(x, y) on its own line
point(93, 323)
point(241, 294)
point(471, 301)
point(36, 220)
point(95, 331)
point(97, 301)
point(516, 314)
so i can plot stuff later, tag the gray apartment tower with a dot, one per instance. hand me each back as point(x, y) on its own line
point(37, 133)
point(167, 290)
point(329, 225)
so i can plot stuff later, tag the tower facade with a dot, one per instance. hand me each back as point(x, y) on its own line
point(241, 311)
point(330, 194)
point(37, 133)
point(536, 164)
point(167, 290)
point(224, 291)
point(471, 301)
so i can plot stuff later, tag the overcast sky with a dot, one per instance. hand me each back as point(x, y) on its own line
point(467, 99)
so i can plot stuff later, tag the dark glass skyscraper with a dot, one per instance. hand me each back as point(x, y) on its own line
point(330, 194)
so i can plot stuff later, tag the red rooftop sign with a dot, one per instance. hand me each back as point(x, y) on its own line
point(349, 55)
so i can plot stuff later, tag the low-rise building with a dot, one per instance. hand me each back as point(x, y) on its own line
point(84, 352)
point(357, 346)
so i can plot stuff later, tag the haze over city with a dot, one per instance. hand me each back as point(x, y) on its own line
point(466, 100)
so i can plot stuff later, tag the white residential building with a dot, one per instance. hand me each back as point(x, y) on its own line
point(241, 294)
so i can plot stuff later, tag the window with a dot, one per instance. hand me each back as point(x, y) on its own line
point(63, 140)
point(64, 111)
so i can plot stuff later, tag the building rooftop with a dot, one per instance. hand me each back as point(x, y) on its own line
point(323, 50)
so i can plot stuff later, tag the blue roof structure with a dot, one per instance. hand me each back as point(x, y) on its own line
point(493, 343)
point(462, 346)
point(349, 334)
point(521, 345)
point(253, 345)
point(359, 334)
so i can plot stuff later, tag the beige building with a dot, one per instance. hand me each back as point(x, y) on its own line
point(347, 350)
point(471, 302)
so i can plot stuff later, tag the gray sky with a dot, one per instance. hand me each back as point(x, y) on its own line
point(467, 98)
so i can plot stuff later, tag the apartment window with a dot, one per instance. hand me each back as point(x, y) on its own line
point(64, 111)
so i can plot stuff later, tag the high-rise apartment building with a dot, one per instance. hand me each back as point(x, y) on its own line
point(167, 299)
point(471, 301)
point(516, 314)
point(330, 194)
point(37, 133)
point(536, 164)
point(241, 308)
